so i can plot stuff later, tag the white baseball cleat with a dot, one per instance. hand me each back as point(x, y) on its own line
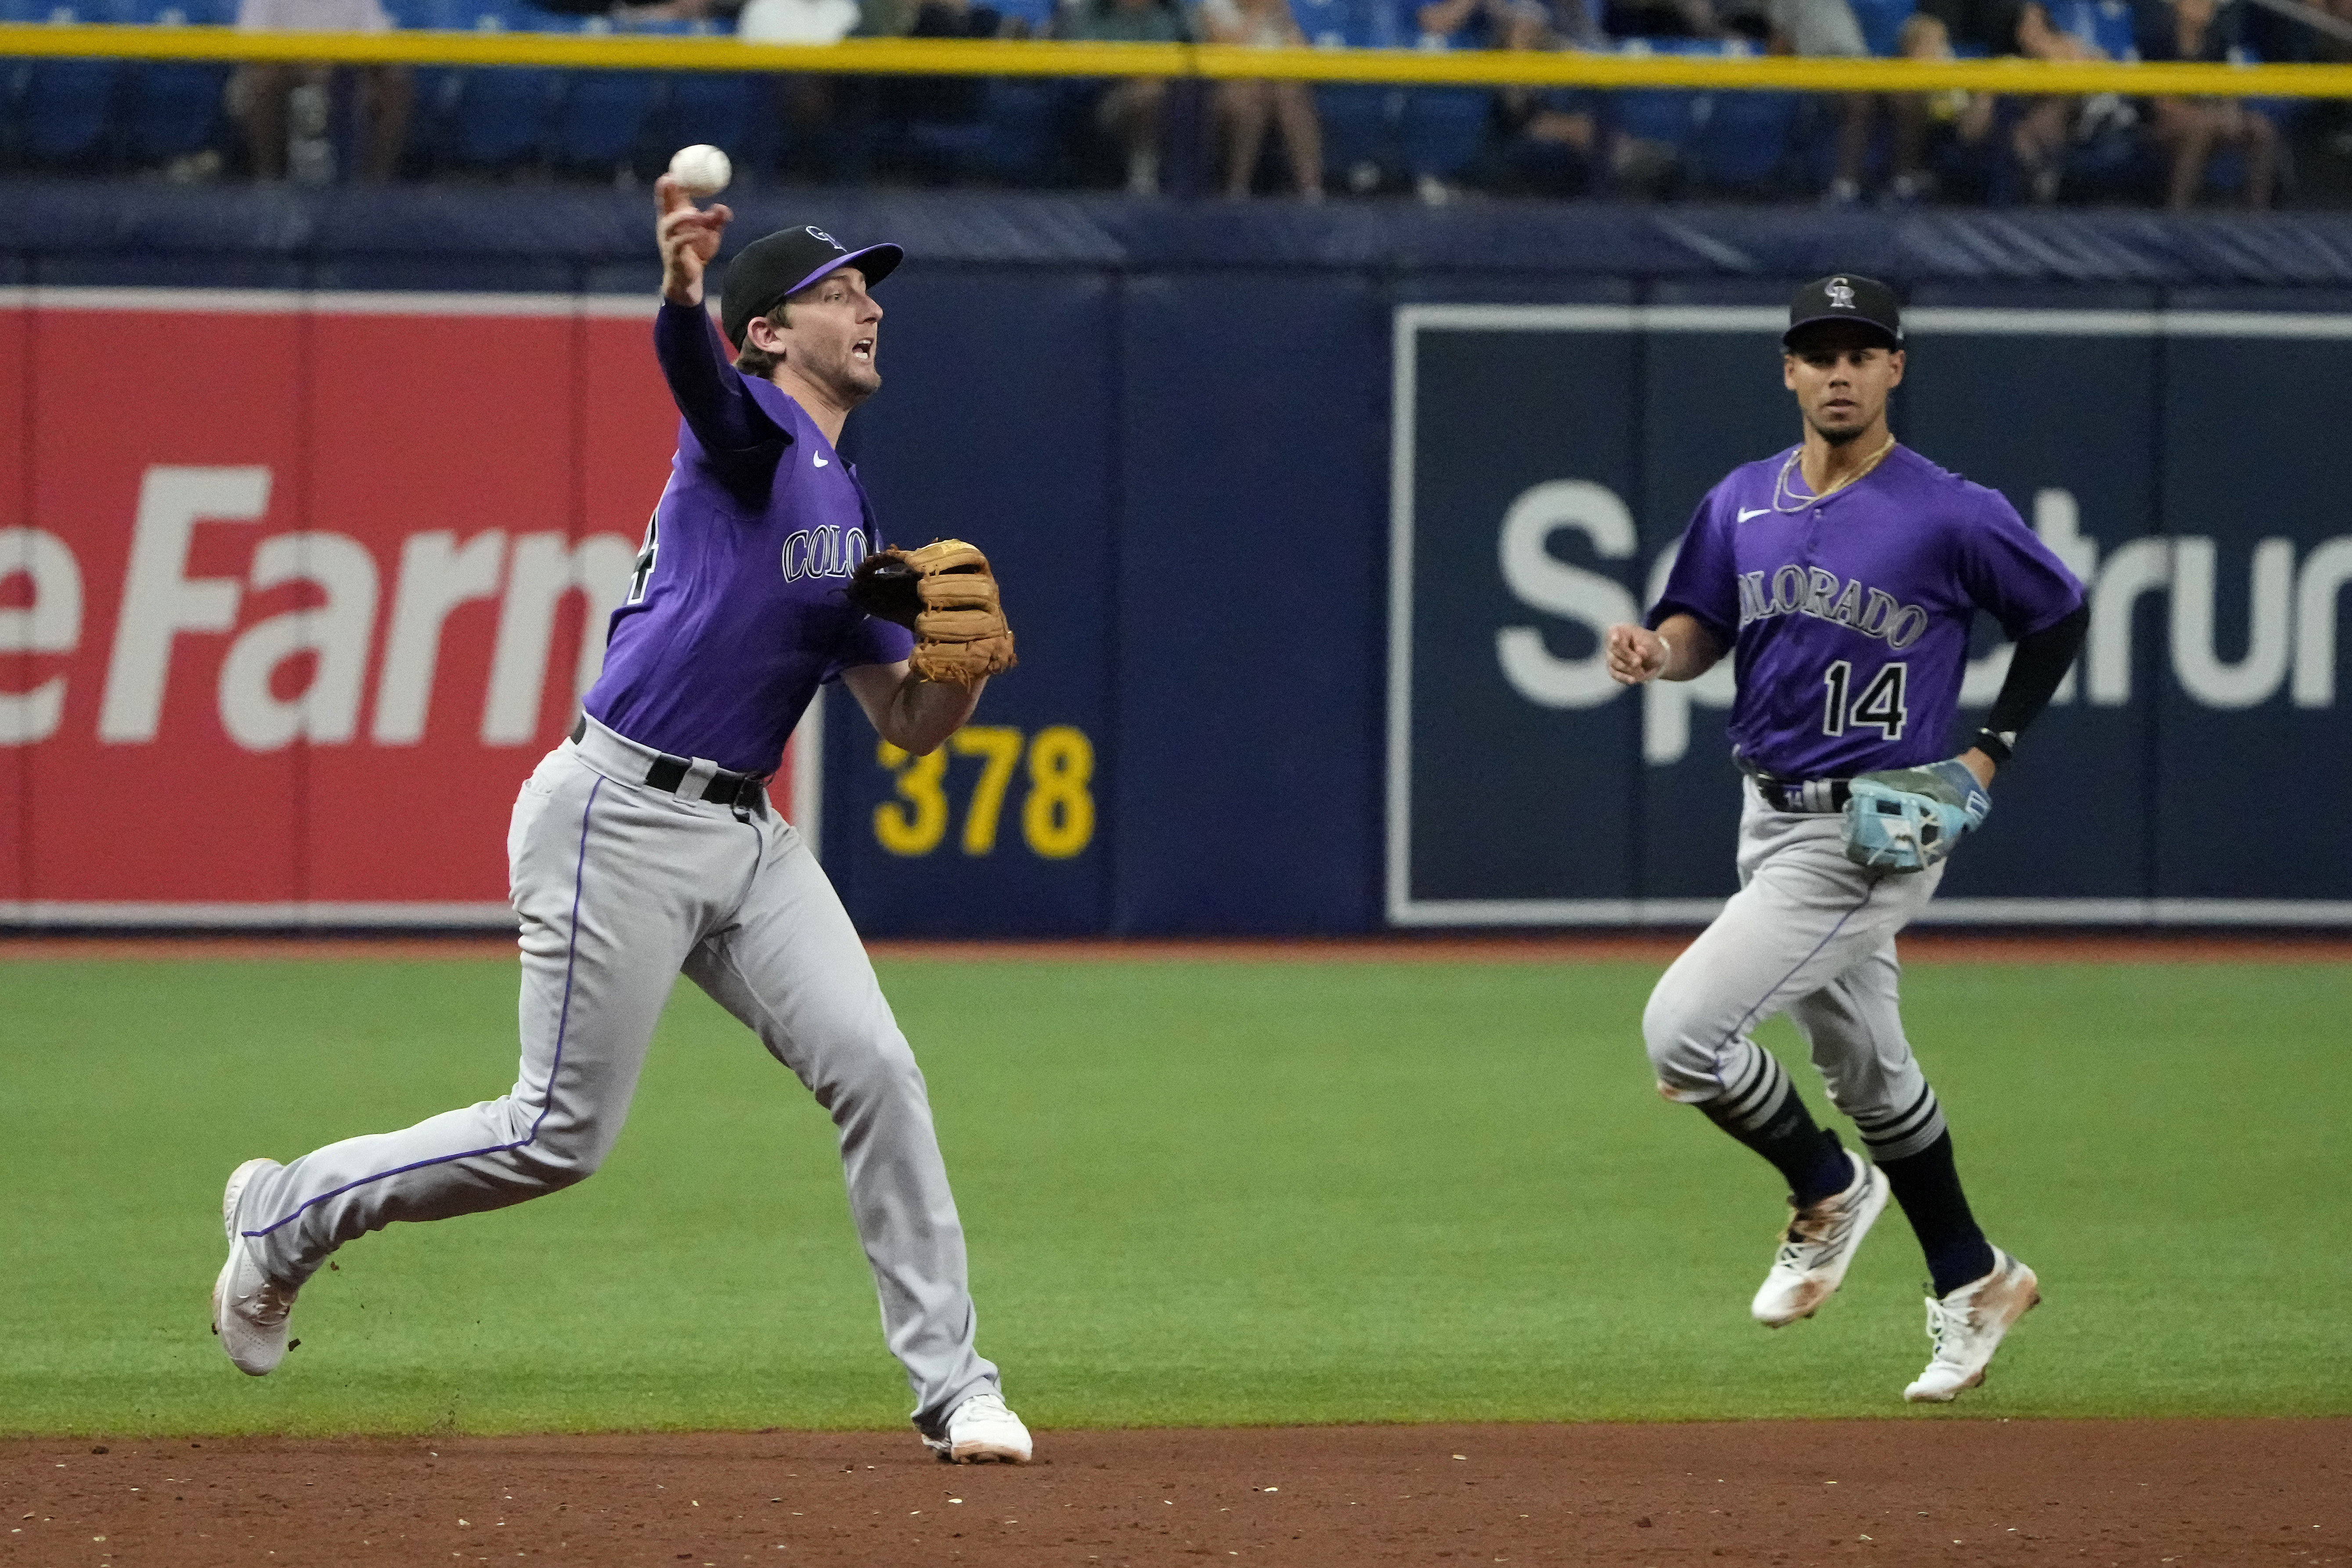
point(1967, 1325)
point(1820, 1242)
point(248, 1306)
point(980, 1430)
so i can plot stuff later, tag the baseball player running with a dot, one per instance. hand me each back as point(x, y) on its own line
point(1841, 575)
point(644, 845)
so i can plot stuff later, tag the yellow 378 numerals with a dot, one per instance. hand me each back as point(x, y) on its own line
point(1057, 814)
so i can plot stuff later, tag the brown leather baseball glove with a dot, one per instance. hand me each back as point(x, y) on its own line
point(944, 593)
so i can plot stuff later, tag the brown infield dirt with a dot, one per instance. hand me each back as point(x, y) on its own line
point(1892, 1492)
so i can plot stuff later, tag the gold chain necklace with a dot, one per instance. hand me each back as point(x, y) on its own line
point(1780, 485)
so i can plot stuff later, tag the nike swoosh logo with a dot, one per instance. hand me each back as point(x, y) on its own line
point(820, 460)
point(1745, 512)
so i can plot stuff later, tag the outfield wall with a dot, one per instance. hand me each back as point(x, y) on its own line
point(298, 579)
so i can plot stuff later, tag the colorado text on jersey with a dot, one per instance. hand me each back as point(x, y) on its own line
point(1811, 591)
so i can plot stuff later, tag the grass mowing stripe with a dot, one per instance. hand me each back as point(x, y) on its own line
point(1197, 1193)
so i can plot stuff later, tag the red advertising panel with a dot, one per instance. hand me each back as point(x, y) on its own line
point(296, 589)
point(24, 624)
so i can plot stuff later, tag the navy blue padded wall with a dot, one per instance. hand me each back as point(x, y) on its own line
point(1254, 439)
point(995, 424)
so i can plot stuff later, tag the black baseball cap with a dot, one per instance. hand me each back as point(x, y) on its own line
point(1845, 297)
point(787, 261)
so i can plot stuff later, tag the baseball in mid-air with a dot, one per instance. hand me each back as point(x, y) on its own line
point(701, 170)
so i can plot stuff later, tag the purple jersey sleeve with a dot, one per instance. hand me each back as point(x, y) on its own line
point(1705, 581)
point(2011, 574)
point(742, 443)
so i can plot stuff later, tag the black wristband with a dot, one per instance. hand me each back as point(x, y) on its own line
point(1997, 747)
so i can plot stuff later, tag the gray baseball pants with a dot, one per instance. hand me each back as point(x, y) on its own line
point(620, 886)
point(1810, 934)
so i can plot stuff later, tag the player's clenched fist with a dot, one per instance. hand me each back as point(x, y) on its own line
point(688, 237)
point(1636, 654)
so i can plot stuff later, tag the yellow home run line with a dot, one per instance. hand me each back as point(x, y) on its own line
point(945, 56)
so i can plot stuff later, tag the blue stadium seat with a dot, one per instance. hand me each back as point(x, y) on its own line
point(1882, 22)
point(1023, 115)
point(171, 109)
point(601, 114)
point(1038, 13)
point(1443, 129)
point(2109, 26)
point(65, 107)
point(1669, 116)
point(1361, 121)
point(728, 109)
point(502, 114)
point(1744, 138)
point(432, 121)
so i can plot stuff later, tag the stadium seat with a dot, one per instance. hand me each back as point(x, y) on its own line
point(1360, 128)
point(1038, 13)
point(1443, 129)
point(502, 114)
point(1361, 121)
point(1882, 23)
point(63, 107)
point(601, 117)
point(1023, 115)
point(1743, 138)
point(2109, 26)
point(1668, 118)
point(727, 110)
point(171, 109)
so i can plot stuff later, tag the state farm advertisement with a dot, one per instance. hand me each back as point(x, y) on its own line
point(296, 589)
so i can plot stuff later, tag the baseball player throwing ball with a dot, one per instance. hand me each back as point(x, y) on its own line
point(644, 845)
point(1841, 575)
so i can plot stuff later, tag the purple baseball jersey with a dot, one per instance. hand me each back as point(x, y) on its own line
point(1848, 617)
point(738, 609)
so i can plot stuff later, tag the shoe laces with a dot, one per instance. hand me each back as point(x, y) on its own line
point(271, 1303)
point(1810, 1229)
point(984, 1404)
point(268, 1304)
point(1948, 1326)
point(1942, 1322)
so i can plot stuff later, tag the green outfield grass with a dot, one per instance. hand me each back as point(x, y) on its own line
point(1197, 1193)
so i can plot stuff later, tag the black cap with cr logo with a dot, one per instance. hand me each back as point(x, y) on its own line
point(787, 261)
point(1845, 297)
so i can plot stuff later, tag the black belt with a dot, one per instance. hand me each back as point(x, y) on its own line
point(743, 792)
point(1801, 796)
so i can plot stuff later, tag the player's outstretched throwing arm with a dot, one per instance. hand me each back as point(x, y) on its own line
point(743, 444)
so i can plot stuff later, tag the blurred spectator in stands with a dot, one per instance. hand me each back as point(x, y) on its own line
point(1447, 130)
point(1966, 118)
point(1134, 110)
point(2191, 128)
point(804, 101)
point(2039, 137)
point(797, 21)
point(1827, 28)
point(265, 93)
point(1551, 135)
point(1244, 107)
point(623, 14)
point(1661, 18)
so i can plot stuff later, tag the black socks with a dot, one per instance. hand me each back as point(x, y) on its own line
point(1806, 1154)
point(1928, 1186)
